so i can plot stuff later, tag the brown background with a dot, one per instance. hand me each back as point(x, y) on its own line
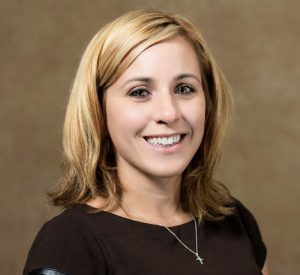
point(257, 45)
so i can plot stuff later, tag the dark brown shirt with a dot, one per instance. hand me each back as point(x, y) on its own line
point(78, 243)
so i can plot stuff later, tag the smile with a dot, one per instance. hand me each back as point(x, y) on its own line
point(164, 141)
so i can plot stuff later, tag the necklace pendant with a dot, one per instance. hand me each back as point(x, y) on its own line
point(199, 259)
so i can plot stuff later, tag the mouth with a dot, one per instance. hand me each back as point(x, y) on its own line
point(165, 141)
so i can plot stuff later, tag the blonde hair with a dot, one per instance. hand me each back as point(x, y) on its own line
point(89, 167)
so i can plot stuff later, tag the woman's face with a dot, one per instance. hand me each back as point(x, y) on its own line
point(156, 101)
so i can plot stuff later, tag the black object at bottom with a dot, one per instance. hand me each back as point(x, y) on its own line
point(46, 271)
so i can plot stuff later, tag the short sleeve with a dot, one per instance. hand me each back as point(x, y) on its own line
point(254, 234)
point(66, 245)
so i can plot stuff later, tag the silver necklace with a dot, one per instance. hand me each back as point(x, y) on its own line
point(196, 253)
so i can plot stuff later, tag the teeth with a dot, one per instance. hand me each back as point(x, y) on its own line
point(164, 141)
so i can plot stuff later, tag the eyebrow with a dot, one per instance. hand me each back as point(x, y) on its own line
point(150, 79)
point(182, 76)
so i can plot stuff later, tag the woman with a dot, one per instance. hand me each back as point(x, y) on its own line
point(145, 125)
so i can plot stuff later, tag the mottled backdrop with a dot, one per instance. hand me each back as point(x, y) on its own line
point(257, 45)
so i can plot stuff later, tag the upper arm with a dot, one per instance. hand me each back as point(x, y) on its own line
point(265, 269)
point(67, 246)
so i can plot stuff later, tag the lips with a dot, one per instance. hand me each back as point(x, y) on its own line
point(169, 148)
point(163, 135)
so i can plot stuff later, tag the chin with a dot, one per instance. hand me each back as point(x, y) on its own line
point(166, 172)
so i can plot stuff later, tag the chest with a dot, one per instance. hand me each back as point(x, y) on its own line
point(154, 250)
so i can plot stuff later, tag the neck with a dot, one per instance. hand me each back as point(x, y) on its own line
point(152, 197)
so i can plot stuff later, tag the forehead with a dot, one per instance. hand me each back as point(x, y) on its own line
point(165, 59)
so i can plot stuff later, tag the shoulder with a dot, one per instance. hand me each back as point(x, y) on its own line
point(67, 244)
point(252, 229)
point(70, 225)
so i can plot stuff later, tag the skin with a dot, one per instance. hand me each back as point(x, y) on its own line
point(140, 108)
point(265, 269)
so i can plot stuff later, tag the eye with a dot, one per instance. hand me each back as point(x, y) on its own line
point(184, 89)
point(139, 93)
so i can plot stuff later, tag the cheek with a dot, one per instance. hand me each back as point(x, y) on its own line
point(123, 121)
point(195, 116)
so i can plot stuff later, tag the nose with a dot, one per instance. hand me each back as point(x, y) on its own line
point(166, 109)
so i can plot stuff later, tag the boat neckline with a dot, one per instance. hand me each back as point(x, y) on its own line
point(130, 220)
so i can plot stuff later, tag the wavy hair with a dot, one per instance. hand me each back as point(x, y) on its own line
point(89, 167)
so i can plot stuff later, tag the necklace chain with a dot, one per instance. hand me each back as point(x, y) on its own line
point(196, 253)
